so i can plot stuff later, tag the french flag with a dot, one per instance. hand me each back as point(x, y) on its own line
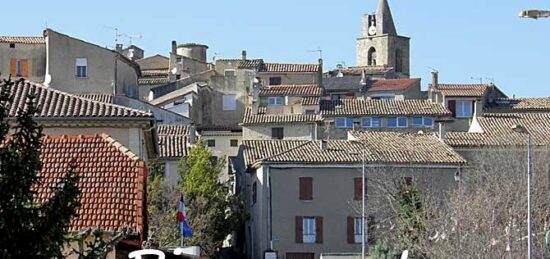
point(185, 229)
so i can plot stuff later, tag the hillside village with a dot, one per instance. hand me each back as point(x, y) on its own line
point(294, 138)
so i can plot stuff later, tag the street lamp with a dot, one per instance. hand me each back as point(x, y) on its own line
point(534, 14)
point(521, 129)
point(363, 183)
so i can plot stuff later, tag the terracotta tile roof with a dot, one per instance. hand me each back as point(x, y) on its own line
point(396, 147)
point(292, 90)
point(103, 98)
point(165, 129)
point(360, 107)
point(173, 140)
point(281, 68)
point(380, 147)
point(153, 81)
point(497, 131)
point(154, 73)
point(250, 64)
point(393, 84)
point(22, 40)
point(262, 118)
point(311, 100)
point(524, 104)
point(57, 104)
point(462, 90)
point(112, 181)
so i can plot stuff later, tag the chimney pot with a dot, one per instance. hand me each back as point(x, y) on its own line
point(174, 47)
point(323, 145)
point(244, 55)
point(435, 79)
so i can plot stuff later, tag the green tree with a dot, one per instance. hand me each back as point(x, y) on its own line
point(411, 220)
point(213, 213)
point(29, 229)
point(161, 208)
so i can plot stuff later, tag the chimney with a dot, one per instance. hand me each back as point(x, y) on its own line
point(192, 134)
point(244, 55)
point(119, 48)
point(323, 145)
point(174, 47)
point(435, 79)
point(442, 131)
point(320, 73)
point(255, 107)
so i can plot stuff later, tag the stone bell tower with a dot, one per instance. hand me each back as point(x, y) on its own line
point(379, 44)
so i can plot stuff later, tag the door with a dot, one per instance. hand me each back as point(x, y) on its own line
point(300, 256)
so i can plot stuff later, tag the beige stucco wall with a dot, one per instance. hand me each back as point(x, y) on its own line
point(294, 131)
point(290, 78)
point(333, 194)
point(62, 52)
point(35, 53)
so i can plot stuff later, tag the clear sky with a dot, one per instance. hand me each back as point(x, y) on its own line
point(462, 39)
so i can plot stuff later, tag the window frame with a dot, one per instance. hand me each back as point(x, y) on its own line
point(233, 141)
point(81, 71)
point(209, 141)
point(309, 230)
point(254, 193)
point(282, 130)
point(346, 125)
point(278, 80)
point(229, 104)
point(277, 101)
point(461, 108)
point(431, 125)
point(233, 71)
point(358, 229)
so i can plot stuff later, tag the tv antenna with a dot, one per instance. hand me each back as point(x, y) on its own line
point(319, 50)
point(128, 36)
point(480, 79)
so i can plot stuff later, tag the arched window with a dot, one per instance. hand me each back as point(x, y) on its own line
point(372, 57)
point(398, 61)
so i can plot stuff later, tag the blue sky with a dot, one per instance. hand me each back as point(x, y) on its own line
point(462, 39)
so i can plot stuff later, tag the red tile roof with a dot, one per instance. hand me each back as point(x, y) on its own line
point(462, 90)
point(57, 104)
point(277, 67)
point(393, 84)
point(22, 40)
point(292, 90)
point(112, 181)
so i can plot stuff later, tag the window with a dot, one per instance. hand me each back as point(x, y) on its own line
point(423, 122)
point(306, 188)
point(81, 67)
point(277, 133)
point(308, 111)
point(397, 122)
point(234, 142)
point(407, 181)
point(229, 72)
point(464, 109)
point(275, 101)
point(309, 230)
point(19, 67)
point(418, 122)
point(254, 193)
point(358, 230)
point(371, 122)
point(214, 160)
point(358, 188)
point(211, 143)
point(372, 57)
point(343, 122)
point(428, 122)
point(229, 102)
point(12, 45)
point(275, 80)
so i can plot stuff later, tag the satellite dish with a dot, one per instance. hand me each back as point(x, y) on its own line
point(174, 71)
point(47, 79)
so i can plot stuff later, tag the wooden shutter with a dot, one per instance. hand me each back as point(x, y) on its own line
point(319, 230)
point(306, 188)
point(25, 68)
point(13, 67)
point(357, 187)
point(451, 105)
point(299, 230)
point(351, 230)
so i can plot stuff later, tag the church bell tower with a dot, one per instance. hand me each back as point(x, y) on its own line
point(379, 44)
